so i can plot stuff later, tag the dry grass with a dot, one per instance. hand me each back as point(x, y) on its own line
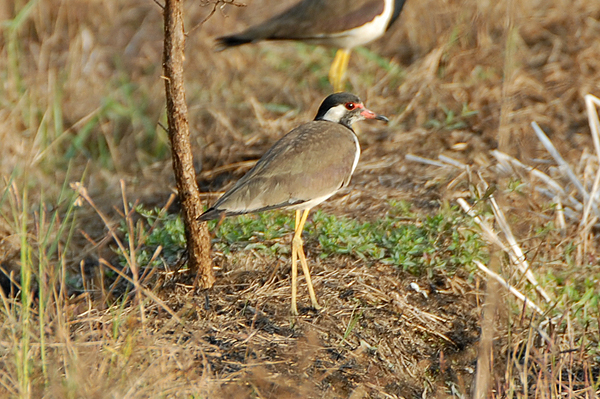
point(81, 98)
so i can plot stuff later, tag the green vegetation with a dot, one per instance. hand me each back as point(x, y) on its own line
point(414, 243)
point(372, 62)
point(453, 120)
point(154, 229)
point(43, 234)
point(419, 244)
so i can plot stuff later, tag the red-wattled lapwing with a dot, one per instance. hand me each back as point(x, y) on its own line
point(344, 24)
point(302, 169)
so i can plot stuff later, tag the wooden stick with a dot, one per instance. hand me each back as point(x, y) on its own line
point(197, 236)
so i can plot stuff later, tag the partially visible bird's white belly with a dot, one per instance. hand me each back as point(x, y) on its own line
point(312, 203)
point(361, 35)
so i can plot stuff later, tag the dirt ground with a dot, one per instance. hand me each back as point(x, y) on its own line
point(456, 78)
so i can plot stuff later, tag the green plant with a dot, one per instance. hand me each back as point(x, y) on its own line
point(45, 235)
point(453, 120)
point(444, 240)
point(417, 244)
point(159, 238)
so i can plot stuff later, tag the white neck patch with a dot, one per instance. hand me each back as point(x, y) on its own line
point(336, 113)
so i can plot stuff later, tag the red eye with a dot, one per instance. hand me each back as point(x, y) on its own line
point(350, 106)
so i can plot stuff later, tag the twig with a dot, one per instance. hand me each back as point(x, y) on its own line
point(560, 215)
point(487, 230)
point(133, 266)
point(518, 253)
point(562, 164)
point(426, 161)
point(445, 161)
point(214, 9)
point(494, 239)
point(508, 162)
point(509, 287)
point(143, 290)
point(243, 165)
point(453, 162)
point(552, 190)
point(82, 191)
point(590, 103)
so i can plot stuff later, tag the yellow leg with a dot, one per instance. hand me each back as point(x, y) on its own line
point(298, 252)
point(337, 72)
point(295, 266)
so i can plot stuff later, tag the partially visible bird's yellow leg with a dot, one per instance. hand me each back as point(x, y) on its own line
point(337, 72)
point(297, 247)
point(295, 266)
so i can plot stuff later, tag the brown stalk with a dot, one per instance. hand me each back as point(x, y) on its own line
point(485, 360)
point(197, 236)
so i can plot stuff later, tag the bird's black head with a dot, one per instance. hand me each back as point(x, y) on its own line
point(345, 108)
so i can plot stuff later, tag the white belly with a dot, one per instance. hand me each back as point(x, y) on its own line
point(361, 35)
point(312, 203)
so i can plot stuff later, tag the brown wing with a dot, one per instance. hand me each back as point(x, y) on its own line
point(312, 161)
point(310, 19)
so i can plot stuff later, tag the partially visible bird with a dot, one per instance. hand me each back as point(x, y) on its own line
point(302, 169)
point(344, 24)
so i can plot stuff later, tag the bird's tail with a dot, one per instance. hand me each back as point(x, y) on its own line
point(211, 214)
point(230, 41)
